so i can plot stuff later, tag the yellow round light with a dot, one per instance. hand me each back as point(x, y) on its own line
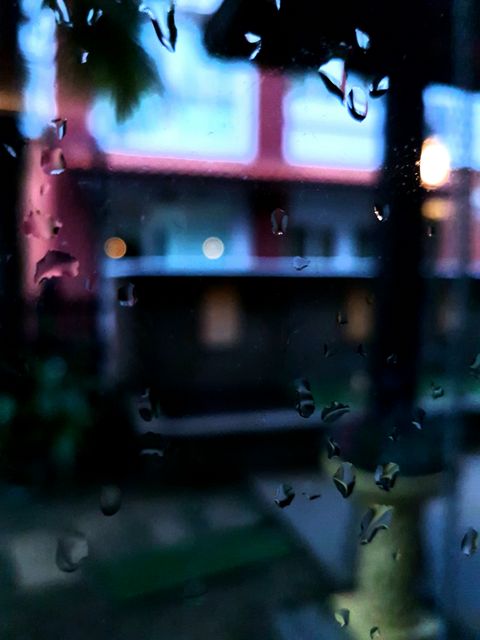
point(115, 247)
point(434, 163)
point(213, 248)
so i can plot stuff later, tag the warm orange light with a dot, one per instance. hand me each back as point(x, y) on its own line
point(434, 163)
point(115, 248)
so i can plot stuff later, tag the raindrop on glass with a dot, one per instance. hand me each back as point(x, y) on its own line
point(284, 495)
point(62, 17)
point(342, 616)
point(10, 150)
point(110, 499)
point(334, 77)
point(392, 359)
point(475, 366)
point(55, 264)
point(305, 404)
point(344, 478)
point(52, 161)
point(94, 16)
point(430, 231)
point(172, 27)
point(397, 555)
point(333, 450)
point(279, 220)
point(469, 542)
point(334, 411)
point(126, 295)
point(376, 518)
point(300, 263)
point(357, 103)
point(312, 495)
point(379, 87)
point(382, 212)
point(386, 475)
point(437, 391)
point(83, 57)
point(40, 225)
point(278, 4)
point(152, 445)
point(327, 352)
point(363, 39)
point(419, 418)
point(71, 550)
point(394, 435)
point(143, 8)
point(59, 127)
point(256, 40)
point(361, 351)
point(375, 633)
point(341, 318)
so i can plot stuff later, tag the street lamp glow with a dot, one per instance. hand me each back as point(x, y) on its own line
point(213, 248)
point(434, 163)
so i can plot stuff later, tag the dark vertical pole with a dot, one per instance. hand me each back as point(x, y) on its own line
point(10, 172)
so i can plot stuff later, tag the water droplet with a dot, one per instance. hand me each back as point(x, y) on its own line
point(381, 211)
point(110, 499)
point(41, 225)
point(344, 478)
point(334, 77)
point(357, 103)
point(256, 40)
point(62, 16)
point(126, 295)
point(83, 56)
point(55, 264)
point(437, 391)
point(327, 352)
point(386, 475)
point(164, 41)
point(71, 550)
point(475, 366)
point(305, 404)
point(376, 518)
point(52, 161)
point(311, 495)
point(469, 542)
point(93, 16)
point(59, 127)
point(10, 150)
point(152, 445)
point(342, 616)
point(172, 27)
point(375, 633)
point(419, 418)
point(361, 351)
point(363, 39)
point(379, 87)
point(394, 435)
point(341, 318)
point(334, 411)
point(284, 495)
point(278, 4)
point(397, 555)
point(300, 263)
point(392, 359)
point(430, 231)
point(279, 221)
point(333, 449)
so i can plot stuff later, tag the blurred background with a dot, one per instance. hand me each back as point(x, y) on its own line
point(239, 304)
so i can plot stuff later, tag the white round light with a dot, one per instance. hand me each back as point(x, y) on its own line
point(213, 248)
point(434, 163)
